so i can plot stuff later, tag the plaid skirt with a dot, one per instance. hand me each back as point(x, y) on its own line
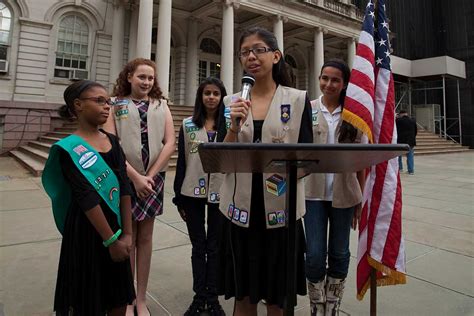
point(152, 205)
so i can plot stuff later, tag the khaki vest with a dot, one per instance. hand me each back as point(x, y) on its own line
point(127, 123)
point(281, 125)
point(195, 183)
point(346, 188)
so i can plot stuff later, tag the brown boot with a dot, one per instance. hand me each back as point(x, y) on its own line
point(317, 297)
point(334, 292)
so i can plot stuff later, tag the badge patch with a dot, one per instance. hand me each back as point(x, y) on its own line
point(212, 197)
point(272, 219)
point(243, 217)
point(230, 210)
point(192, 136)
point(191, 129)
point(236, 214)
point(111, 193)
point(285, 113)
point(315, 117)
point(276, 185)
point(80, 149)
point(281, 217)
point(87, 160)
point(197, 191)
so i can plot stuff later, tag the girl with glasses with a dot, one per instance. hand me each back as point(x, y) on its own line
point(254, 253)
point(86, 178)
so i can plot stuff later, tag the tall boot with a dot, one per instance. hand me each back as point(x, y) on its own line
point(317, 297)
point(334, 292)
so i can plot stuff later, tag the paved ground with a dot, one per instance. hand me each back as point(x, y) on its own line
point(438, 229)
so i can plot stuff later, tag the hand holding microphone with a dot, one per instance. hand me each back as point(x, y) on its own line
point(240, 107)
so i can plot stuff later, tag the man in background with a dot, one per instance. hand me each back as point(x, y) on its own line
point(407, 130)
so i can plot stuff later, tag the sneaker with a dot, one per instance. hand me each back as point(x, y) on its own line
point(215, 309)
point(196, 308)
point(411, 173)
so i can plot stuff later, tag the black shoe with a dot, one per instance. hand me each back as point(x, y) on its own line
point(196, 308)
point(215, 309)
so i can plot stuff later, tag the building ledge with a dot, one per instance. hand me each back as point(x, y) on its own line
point(428, 67)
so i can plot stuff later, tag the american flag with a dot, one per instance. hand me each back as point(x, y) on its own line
point(370, 106)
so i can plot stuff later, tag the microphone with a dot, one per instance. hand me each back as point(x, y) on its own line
point(247, 83)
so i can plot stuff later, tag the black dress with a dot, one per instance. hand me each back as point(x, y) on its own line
point(89, 282)
point(253, 259)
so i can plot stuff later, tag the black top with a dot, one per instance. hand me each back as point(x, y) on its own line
point(406, 131)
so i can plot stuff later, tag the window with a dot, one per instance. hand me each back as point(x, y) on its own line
point(5, 34)
point(210, 46)
point(209, 61)
point(72, 49)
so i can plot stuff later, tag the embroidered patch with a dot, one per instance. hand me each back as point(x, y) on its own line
point(314, 117)
point(272, 219)
point(191, 129)
point(87, 160)
point(285, 113)
point(281, 217)
point(202, 182)
point(194, 147)
point(276, 185)
point(227, 113)
point(236, 214)
point(192, 136)
point(80, 149)
point(212, 197)
point(111, 193)
point(197, 191)
point(244, 215)
point(230, 210)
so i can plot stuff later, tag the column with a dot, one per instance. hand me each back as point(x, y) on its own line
point(145, 24)
point(116, 57)
point(163, 45)
point(227, 57)
point(351, 51)
point(278, 30)
point(238, 71)
point(311, 74)
point(132, 37)
point(191, 61)
point(318, 57)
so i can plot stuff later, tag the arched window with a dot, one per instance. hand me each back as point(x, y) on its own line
point(72, 49)
point(291, 61)
point(293, 71)
point(210, 46)
point(209, 61)
point(5, 35)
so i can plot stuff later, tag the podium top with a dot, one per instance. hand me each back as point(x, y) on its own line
point(311, 158)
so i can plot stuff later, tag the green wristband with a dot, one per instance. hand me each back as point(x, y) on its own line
point(112, 239)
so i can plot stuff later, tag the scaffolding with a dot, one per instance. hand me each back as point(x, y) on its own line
point(426, 101)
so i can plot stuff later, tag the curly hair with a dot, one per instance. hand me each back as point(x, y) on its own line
point(123, 88)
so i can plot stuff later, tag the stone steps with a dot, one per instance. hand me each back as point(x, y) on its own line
point(34, 154)
point(428, 143)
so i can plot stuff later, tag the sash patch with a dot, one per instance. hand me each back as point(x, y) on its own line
point(285, 113)
point(276, 185)
point(315, 117)
point(87, 160)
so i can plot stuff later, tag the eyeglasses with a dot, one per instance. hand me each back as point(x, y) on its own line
point(99, 100)
point(256, 51)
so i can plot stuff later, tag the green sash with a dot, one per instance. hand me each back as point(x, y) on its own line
point(91, 165)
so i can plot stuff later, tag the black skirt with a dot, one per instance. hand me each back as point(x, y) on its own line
point(253, 260)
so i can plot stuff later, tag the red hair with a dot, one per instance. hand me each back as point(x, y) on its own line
point(123, 88)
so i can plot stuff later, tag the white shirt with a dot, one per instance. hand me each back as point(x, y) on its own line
point(332, 119)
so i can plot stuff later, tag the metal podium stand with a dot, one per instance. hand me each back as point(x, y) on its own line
point(296, 160)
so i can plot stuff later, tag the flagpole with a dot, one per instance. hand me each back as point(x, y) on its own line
point(373, 271)
point(373, 292)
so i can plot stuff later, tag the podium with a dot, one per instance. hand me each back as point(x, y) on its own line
point(294, 160)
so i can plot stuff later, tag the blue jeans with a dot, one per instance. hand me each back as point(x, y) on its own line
point(318, 247)
point(410, 161)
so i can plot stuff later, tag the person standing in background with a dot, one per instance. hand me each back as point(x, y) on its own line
point(406, 134)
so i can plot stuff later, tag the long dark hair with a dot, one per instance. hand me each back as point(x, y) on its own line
point(279, 71)
point(123, 88)
point(73, 92)
point(347, 133)
point(200, 114)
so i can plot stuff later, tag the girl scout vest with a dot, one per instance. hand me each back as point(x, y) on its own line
point(281, 125)
point(346, 188)
point(195, 182)
point(91, 165)
point(127, 123)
